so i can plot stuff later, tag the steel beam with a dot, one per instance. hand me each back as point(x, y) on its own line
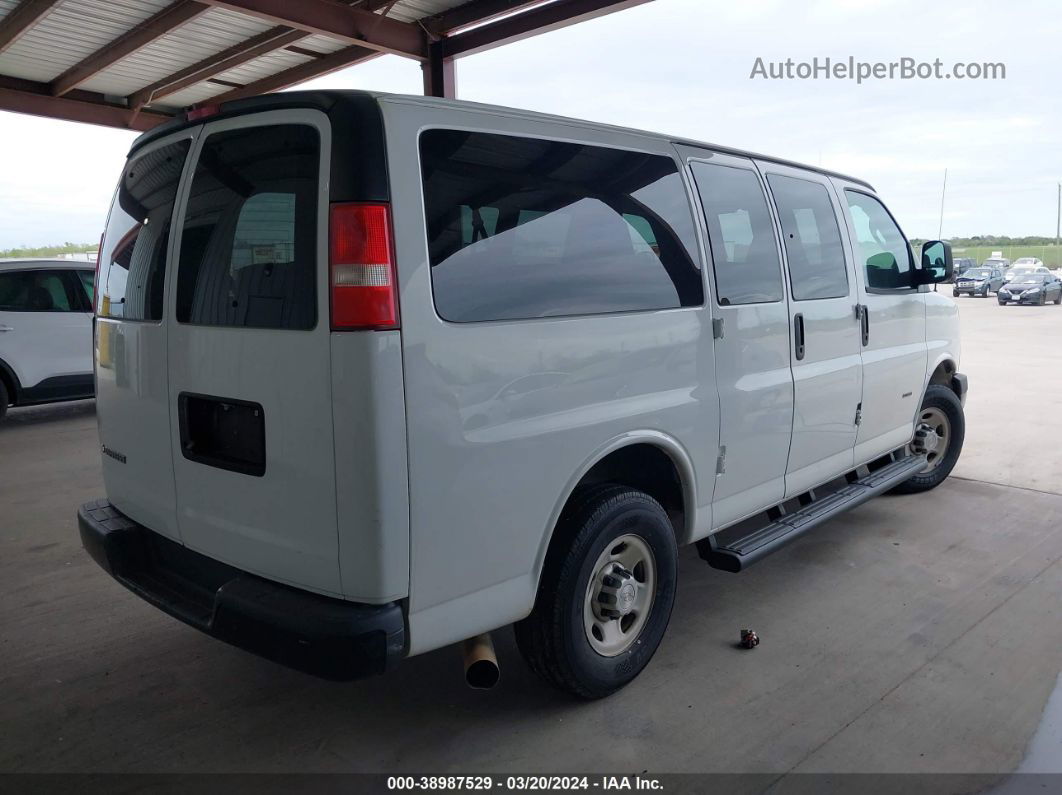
point(532, 22)
point(160, 24)
point(21, 18)
point(338, 20)
point(440, 79)
point(28, 96)
point(474, 13)
point(298, 74)
point(247, 50)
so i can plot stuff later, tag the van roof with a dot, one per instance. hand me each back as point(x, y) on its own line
point(327, 99)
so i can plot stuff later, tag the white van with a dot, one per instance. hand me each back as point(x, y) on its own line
point(377, 374)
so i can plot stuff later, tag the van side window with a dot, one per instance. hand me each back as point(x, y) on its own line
point(812, 238)
point(249, 243)
point(740, 233)
point(882, 246)
point(133, 260)
point(526, 228)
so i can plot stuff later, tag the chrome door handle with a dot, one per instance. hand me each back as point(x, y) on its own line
point(6, 328)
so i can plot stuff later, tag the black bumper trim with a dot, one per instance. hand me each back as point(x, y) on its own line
point(326, 637)
point(961, 385)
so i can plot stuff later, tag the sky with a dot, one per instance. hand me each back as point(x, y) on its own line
point(683, 67)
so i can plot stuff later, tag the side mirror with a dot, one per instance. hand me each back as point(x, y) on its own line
point(937, 263)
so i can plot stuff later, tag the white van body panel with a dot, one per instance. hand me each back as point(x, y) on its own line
point(487, 467)
point(754, 381)
point(828, 380)
point(132, 394)
point(281, 525)
point(894, 360)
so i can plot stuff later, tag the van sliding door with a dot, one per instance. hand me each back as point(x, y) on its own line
point(827, 368)
point(752, 363)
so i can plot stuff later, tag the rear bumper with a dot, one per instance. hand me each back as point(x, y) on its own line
point(330, 638)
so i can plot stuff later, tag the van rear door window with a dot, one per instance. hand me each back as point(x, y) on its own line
point(528, 228)
point(249, 242)
point(133, 260)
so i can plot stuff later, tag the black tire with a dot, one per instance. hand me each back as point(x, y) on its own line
point(1043, 298)
point(1001, 302)
point(1058, 298)
point(553, 638)
point(943, 398)
point(4, 398)
point(954, 293)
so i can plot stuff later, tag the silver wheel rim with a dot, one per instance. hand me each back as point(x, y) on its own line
point(614, 615)
point(938, 423)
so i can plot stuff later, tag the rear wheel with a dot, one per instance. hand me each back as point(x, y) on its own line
point(3, 400)
point(939, 434)
point(605, 595)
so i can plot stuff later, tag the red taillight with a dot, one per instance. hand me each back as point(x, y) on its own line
point(361, 267)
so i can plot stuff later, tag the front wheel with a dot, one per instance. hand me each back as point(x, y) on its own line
point(940, 431)
point(605, 594)
point(1043, 299)
point(3, 400)
point(1058, 298)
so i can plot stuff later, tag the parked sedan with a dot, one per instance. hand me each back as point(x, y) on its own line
point(1032, 288)
point(978, 281)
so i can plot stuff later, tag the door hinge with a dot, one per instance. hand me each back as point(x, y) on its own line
point(720, 462)
point(859, 414)
point(717, 328)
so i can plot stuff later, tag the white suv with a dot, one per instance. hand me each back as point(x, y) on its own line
point(379, 374)
point(45, 331)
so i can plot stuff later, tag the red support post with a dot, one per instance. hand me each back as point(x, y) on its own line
point(440, 78)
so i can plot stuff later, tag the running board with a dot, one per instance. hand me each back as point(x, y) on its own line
point(736, 554)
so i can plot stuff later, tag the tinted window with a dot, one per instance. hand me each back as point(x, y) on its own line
point(35, 291)
point(882, 247)
point(812, 238)
point(133, 260)
point(88, 279)
point(249, 243)
point(741, 235)
point(527, 228)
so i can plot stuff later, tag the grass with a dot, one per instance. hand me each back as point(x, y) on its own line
point(1051, 255)
point(48, 251)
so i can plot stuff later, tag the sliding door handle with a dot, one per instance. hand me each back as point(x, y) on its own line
point(798, 335)
point(864, 323)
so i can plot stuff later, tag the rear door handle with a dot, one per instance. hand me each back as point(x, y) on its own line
point(6, 328)
point(864, 323)
point(798, 335)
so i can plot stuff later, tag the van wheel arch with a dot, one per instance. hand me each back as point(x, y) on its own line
point(654, 464)
point(944, 375)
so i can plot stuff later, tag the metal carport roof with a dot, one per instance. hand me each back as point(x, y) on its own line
point(135, 63)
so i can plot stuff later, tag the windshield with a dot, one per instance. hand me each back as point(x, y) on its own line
point(994, 263)
point(976, 273)
point(1025, 261)
point(1030, 278)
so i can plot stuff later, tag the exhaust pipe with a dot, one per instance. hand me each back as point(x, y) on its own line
point(481, 666)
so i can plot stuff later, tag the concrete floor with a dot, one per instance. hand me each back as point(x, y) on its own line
point(914, 634)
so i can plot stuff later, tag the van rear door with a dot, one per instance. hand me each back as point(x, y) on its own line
point(132, 406)
point(249, 365)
